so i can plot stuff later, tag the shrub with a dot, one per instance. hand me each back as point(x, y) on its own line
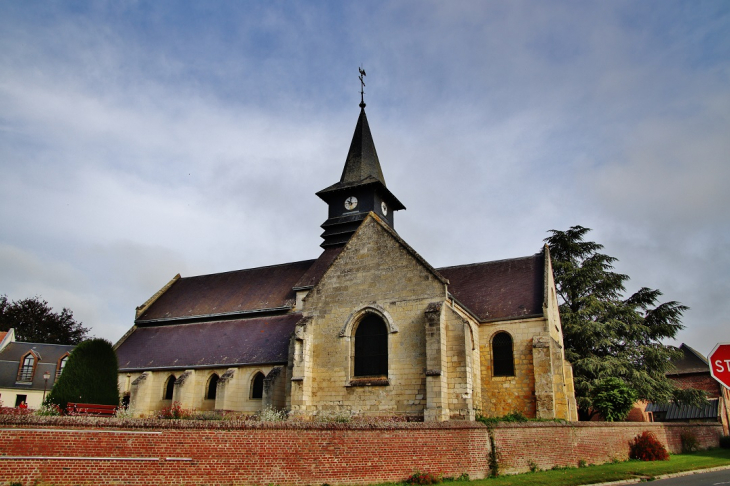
point(49, 410)
point(175, 411)
point(90, 376)
point(270, 414)
point(725, 441)
point(689, 441)
point(646, 447)
point(423, 478)
point(613, 399)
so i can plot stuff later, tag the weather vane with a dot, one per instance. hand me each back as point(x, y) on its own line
point(362, 87)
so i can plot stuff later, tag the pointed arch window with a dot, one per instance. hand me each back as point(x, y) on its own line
point(257, 386)
point(503, 360)
point(212, 387)
point(169, 387)
point(27, 367)
point(371, 347)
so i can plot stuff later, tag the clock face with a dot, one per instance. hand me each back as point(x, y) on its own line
point(384, 208)
point(350, 203)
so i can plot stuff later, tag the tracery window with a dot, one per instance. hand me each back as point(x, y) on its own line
point(169, 387)
point(27, 367)
point(371, 347)
point(212, 387)
point(257, 386)
point(503, 362)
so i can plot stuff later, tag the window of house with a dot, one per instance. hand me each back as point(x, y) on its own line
point(169, 387)
point(212, 387)
point(21, 399)
point(257, 386)
point(61, 365)
point(371, 347)
point(27, 366)
point(503, 363)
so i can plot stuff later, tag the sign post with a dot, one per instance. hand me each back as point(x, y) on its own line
point(719, 360)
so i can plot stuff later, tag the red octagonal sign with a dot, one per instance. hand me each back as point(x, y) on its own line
point(720, 363)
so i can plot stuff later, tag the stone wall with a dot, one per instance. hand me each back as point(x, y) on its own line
point(73, 450)
point(375, 273)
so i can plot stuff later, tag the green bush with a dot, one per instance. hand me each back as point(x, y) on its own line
point(90, 376)
point(689, 442)
point(646, 447)
point(613, 399)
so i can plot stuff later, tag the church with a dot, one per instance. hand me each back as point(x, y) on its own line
point(369, 328)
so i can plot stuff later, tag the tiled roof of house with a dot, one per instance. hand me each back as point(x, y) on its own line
point(47, 356)
point(503, 289)
point(260, 340)
point(691, 362)
point(229, 293)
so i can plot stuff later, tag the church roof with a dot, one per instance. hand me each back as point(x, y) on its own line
point(230, 293)
point(260, 340)
point(503, 289)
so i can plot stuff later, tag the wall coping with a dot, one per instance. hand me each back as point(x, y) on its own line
point(21, 421)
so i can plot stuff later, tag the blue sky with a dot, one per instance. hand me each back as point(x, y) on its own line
point(143, 139)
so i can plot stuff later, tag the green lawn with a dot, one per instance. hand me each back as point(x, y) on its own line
point(609, 472)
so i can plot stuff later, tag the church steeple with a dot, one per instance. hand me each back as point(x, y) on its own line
point(361, 188)
point(362, 159)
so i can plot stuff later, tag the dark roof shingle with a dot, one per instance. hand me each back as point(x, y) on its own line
point(261, 340)
point(241, 291)
point(504, 289)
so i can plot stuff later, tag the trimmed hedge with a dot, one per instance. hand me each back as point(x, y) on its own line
point(90, 376)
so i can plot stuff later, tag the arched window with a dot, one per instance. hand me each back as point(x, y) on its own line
point(169, 387)
point(257, 386)
point(503, 363)
point(27, 367)
point(371, 347)
point(61, 365)
point(212, 386)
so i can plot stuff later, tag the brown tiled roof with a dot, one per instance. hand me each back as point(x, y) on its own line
point(312, 276)
point(259, 340)
point(691, 362)
point(504, 289)
point(241, 291)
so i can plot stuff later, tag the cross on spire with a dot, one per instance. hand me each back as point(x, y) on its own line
point(362, 87)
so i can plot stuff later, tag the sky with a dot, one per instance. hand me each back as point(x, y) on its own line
point(143, 139)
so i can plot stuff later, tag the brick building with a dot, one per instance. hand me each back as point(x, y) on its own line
point(368, 327)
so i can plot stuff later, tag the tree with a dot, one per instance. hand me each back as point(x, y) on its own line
point(35, 322)
point(90, 376)
point(606, 335)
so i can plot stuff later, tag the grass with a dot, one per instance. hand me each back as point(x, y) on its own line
point(609, 472)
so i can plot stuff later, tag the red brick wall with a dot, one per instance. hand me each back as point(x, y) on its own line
point(700, 381)
point(71, 453)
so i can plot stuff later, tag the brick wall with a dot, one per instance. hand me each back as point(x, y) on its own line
point(699, 381)
point(71, 451)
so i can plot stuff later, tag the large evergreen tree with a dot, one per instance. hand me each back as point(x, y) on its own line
point(90, 376)
point(35, 322)
point(607, 335)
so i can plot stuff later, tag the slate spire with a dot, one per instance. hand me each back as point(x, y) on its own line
point(362, 159)
point(361, 189)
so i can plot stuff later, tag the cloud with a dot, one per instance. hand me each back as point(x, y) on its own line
point(138, 141)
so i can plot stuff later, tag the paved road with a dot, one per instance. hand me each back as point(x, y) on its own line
point(715, 478)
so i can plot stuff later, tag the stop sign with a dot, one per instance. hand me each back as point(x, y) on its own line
point(720, 363)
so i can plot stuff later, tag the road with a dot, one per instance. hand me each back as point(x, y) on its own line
point(714, 478)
